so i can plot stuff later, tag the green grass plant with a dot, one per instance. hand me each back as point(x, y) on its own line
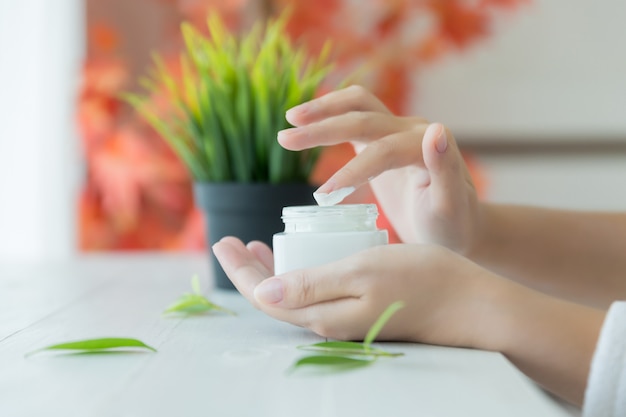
point(228, 101)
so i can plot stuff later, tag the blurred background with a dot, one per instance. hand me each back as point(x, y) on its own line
point(532, 89)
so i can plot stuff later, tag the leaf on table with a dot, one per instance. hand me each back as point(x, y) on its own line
point(195, 285)
point(334, 361)
point(195, 303)
point(348, 355)
point(347, 348)
point(98, 345)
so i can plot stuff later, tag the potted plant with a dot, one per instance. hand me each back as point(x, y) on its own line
point(228, 100)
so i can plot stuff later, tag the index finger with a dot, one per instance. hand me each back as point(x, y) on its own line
point(353, 98)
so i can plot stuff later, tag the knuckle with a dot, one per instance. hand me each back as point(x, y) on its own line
point(355, 274)
point(361, 124)
point(421, 120)
point(321, 329)
point(303, 291)
point(358, 91)
point(356, 269)
point(384, 150)
point(372, 256)
point(415, 122)
point(317, 323)
point(332, 330)
point(384, 147)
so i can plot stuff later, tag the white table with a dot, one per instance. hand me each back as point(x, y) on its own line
point(214, 365)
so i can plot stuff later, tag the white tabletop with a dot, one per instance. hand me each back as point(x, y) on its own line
point(216, 364)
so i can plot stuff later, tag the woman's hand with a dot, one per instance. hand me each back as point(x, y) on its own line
point(415, 168)
point(448, 301)
point(445, 295)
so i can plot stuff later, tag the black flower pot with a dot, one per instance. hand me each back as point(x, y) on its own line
point(248, 211)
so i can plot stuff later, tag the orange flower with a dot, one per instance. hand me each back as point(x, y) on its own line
point(102, 37)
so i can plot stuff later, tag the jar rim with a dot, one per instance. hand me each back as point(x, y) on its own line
point(342, 217)
point(324, 211)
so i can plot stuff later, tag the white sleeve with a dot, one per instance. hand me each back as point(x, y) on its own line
point(606, 388)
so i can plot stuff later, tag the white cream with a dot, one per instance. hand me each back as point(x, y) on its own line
point(334, 197)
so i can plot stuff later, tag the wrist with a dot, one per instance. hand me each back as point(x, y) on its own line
point(487, 235)
point(495, 298)
point(507, 304)
point(549, 339)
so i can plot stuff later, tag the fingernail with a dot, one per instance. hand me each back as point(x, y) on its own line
point(296, 111)
point(282, 134)
point(298, 134)
point(300, 108)
point(442, 140)
point(223, 257)
point(327, 187)
point(269, 291)
point(333, 197)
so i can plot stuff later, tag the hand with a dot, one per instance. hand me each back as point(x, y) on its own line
point(443, 293)
point(419, 176)
point(448, 301)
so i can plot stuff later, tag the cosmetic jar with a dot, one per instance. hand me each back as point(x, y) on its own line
point(316, 235)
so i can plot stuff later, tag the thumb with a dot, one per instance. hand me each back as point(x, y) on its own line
point(303, 288)
point(441, 157)
point(435, 147)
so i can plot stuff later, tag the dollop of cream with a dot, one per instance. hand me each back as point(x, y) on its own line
point(334, 197)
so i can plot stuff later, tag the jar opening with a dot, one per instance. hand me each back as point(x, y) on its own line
point(339, 218)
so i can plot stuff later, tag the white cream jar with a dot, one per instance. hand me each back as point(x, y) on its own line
point(315, 235)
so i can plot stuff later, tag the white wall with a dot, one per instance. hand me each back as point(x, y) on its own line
point(554, 71)
point(582, 182)
point(555, 68)
point(41, 44)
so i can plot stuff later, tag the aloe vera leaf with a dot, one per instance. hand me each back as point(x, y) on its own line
point(96, 345)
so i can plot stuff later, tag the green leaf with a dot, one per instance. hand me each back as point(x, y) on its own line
point(351, 354)
point(381, 321)
point(335, 362)
point(97, 345)
point(347, 348)
point(196, 303)
point(195, 285)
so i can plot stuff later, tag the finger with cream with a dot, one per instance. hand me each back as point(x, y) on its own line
point(334, 197)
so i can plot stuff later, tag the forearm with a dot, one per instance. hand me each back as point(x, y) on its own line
point(575, 255)
point(550, 340)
